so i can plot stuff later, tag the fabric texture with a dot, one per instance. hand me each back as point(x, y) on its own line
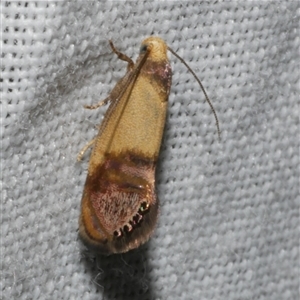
point(229, 210)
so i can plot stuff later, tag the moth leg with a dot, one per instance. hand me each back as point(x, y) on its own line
point(87, 146)
point(103, 102)
point(122, 56)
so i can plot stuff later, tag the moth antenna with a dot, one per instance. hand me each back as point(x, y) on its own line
point(202, 88)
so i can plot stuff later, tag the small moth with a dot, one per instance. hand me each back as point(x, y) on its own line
point(119, 205)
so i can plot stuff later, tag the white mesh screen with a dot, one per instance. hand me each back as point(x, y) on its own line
point(229, 216)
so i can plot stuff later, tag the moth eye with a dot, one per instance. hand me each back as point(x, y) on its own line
point(143, 48)
point(144, 207)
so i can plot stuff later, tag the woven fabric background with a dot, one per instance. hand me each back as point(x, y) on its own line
point(229, 215)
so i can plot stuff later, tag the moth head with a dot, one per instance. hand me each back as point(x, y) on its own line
point(156, 48)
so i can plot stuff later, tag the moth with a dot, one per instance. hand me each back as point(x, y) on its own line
point(119, 206)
